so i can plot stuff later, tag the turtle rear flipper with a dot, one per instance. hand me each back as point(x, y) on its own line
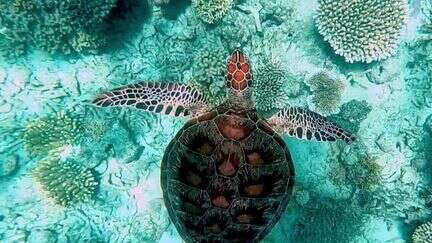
point(309, 125)
point(166, 98)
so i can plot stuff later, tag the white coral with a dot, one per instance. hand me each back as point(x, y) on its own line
point(362, 30)
point(423, 233)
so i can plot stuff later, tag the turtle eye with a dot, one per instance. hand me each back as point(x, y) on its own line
point(228, 77)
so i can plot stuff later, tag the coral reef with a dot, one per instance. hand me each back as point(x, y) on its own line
point(210, 11)
point(66, 181)
point(363, 174)
point(8, 166)
point(427, 11)
point(66, 27)
point(269, 82)
point(327, 92)
point(329, 220)
point(209, 72)
point(355, 167)
point(159, 2)
point(364, 30)
point(351, 115)
point(423, 233)
point(366, 173)
point(151, 226)
point(48, 133)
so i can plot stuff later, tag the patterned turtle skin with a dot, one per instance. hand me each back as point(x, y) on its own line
point(227, 176)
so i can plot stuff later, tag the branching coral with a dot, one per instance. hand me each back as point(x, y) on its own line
point(423, 233)
point(270, 79)
point(362, 30)
point(54, 26)
point(51, 132)
point(66, 181)
point(210, 11)
point(327, 92)
point(209, 72)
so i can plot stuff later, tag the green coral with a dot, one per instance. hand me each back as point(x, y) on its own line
point(362, 30)
point(351, 115)
point(270, 80)
point(48, 133)
point(210, 11)
point(423, 233)
point(66, 181)
point(366, 173)
point(355, 167)
point(209, 72)
point(72, 26)
point(327, 92)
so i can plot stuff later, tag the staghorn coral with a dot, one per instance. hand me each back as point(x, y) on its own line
point(51, 132)
point(269, 82)
point(362, 30)
point(72, 26)
point(423, 233)
point(327, 92)
point(210, 11)
point(66, 181)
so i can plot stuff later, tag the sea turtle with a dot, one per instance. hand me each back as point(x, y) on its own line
point(227, 176)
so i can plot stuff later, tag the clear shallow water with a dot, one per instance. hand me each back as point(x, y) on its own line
point(375, 190)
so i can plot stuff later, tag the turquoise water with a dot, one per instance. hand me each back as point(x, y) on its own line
point(73, 172)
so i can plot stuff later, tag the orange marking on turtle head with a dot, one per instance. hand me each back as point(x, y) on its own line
point(238, 71)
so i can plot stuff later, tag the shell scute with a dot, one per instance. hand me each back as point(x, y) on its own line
point(230, 175)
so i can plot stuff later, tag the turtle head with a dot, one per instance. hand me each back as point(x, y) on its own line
point(238, 76)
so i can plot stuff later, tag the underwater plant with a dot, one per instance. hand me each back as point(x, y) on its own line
point(72, 26)
point(363, 30)
point(327, 92)
point(210, 11)
point(270, 80)
point(65, 181)
point(351, 115)
point(45, 134)
point(423, 233)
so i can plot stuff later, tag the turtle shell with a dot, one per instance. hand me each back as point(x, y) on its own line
point(226, 177)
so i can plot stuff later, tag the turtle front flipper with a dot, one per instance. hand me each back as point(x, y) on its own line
point(165, 98)
point(309, 125)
